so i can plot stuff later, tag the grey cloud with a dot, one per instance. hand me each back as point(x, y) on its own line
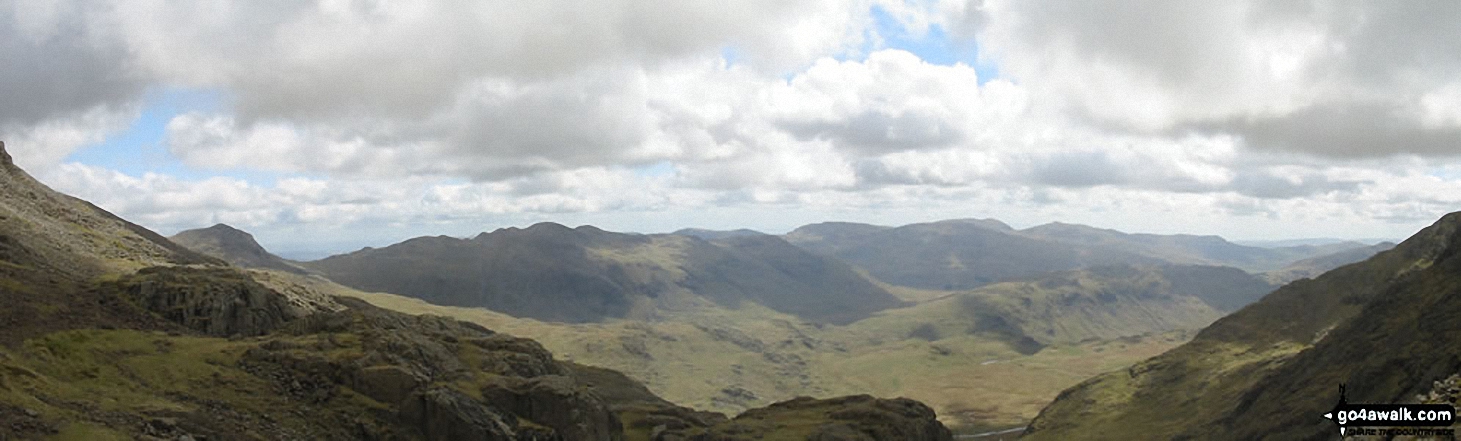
point(297, 60)
point(1080, 169)
point(59, 70)
point(1269, 185)
point(874, 173)
point(875, 132)
point(1372, 62)
point(1176, 41)
point(1343, 130)
point(1396, 42)
point(595, 121)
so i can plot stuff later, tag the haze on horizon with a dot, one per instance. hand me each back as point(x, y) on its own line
point(330, 125)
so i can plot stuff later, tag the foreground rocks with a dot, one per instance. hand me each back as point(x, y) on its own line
point(852, 418)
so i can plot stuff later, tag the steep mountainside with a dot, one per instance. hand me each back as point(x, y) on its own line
point(39, 226)
point(1385, 327)
point(103, 336)
point(233, 246)
point(552, 272)
point(53, 245)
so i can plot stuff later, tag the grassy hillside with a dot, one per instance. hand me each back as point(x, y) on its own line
point(1382, 326)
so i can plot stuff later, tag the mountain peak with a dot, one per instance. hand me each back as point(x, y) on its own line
point(990, 223)
point(548, 226)
point(222, 228)
point(4, 156)
point(233, 245)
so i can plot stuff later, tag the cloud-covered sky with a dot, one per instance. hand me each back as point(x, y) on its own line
point(333, 124)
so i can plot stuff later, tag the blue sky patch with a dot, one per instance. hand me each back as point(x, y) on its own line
point(934, 46)
point(141, 148)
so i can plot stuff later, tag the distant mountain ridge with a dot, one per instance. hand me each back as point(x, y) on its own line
point(551, 272)
point(1315, 266)
point(968, 253)
point(952, 255)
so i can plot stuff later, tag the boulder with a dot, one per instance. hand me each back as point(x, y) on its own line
point(558, 402)
point(444, 414)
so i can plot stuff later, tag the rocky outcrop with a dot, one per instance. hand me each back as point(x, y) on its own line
point(558, 402)
point(427, 368)
point(446, 414)
point(214, 301)
point(851, 418)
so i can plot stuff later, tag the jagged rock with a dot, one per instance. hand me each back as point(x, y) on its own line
point(558, 402)
point(386, 384)
point(514, 356)
point(445, 414)
point(215, 301)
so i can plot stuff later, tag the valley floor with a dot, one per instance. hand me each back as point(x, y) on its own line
point(731, 360)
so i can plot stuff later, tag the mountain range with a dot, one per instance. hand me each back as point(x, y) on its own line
point(741, 296)
point(111, 331)
point(968, 253)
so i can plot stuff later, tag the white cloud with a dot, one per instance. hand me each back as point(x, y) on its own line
point(46, 143)
point(1339, 79)
point(1244, 115)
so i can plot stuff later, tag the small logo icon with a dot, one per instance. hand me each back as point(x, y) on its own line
point(1348, 415)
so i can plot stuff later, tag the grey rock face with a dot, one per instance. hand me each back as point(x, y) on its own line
point(557, 402)
point(215, 301)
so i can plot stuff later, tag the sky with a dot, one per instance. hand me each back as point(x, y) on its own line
point(324, 126)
